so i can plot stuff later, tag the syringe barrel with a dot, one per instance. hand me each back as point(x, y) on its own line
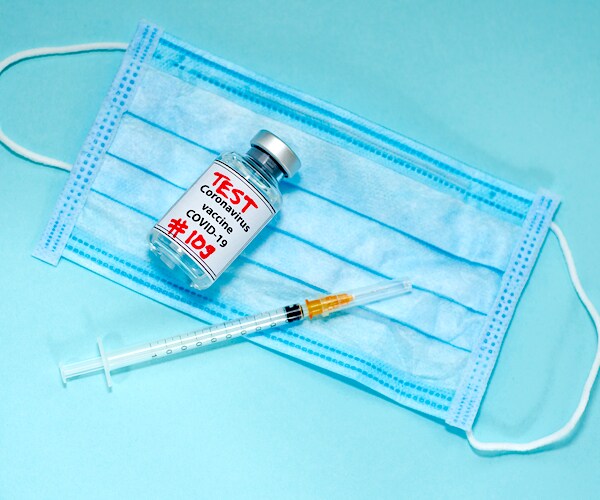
point(179, 344)
point(195, 340)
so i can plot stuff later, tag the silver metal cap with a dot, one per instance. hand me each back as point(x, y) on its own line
point(278, 150)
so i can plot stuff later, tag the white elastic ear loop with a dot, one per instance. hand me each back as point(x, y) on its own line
point(47, 51)
point(563, 432)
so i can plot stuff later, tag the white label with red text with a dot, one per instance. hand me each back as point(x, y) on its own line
point(216, 218)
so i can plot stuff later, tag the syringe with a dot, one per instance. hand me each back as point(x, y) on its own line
point(171, 346)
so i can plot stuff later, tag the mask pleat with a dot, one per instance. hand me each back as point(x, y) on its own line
point(350, 181)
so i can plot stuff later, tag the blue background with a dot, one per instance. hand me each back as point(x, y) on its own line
point(510, 87)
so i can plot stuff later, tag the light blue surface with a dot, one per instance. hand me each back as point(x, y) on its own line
point(511, 89)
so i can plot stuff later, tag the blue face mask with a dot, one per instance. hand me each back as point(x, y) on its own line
point(368, 204)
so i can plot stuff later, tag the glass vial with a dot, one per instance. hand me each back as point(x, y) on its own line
point(216, 218)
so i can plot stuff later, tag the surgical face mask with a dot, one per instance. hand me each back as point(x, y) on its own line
point(369, 204)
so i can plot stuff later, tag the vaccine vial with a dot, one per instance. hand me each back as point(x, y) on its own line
point(216, 218)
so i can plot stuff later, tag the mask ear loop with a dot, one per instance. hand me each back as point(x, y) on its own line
point(568, 428)
point(48, 51)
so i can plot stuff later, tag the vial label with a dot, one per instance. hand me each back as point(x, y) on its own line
point(216, 218)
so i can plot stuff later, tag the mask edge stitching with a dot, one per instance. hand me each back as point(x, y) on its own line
point(74, 194)
point(470, 394)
